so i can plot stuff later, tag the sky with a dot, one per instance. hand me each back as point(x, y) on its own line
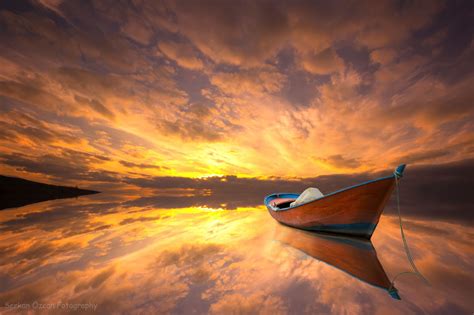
point(98, 93)
point(191, 107)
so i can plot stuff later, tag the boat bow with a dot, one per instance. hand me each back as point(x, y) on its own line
point(354, 210)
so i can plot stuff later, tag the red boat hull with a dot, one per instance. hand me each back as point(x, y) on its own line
point(353, 211)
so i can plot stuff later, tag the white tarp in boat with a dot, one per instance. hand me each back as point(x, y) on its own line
point(308, 195)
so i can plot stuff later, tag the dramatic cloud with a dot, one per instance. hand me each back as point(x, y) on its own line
point(324, 62)
point(246, 88)
point(183, 54)
point(178, 110)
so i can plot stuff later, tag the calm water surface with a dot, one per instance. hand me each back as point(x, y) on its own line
point(133, 256)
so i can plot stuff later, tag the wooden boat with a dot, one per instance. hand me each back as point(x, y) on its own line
point(355, 256)
point(354, 210)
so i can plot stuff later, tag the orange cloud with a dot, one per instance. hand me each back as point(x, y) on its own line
point(256, 82)
point(183, 54)
point(324, 62)
point(117, 83)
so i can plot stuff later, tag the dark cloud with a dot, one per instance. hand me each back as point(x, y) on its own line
point(76, 32)
point(236, 32)
point(300, 87)
point(95, 281)
point(140, 165)
point(450, 33)
point(18, 125)
point(425, 155)
point(193, 129)
point(439, 192)
point(340, 161)
point(55, 218)
point(188, 254)
point(95, 105)
point(139, 219)
point(70, 166)
point(198, 122)
point(30, 94)
point(9, 131)
point(417, 227)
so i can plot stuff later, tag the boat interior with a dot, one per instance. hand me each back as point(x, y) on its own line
point(282, 203)
point(286, 200)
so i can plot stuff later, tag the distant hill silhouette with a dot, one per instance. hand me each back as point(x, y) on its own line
point(17, 192)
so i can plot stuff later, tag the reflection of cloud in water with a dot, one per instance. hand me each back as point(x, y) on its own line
point(131, 257)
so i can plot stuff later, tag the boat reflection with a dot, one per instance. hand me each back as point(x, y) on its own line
point(355, 256)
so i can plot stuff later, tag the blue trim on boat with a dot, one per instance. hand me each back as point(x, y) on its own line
point(294, 195)
point(399, 170)
point(353, 228)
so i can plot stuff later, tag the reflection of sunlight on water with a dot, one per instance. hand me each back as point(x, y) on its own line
point(129, 258)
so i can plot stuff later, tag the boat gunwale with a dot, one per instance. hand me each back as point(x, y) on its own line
point(266, 201)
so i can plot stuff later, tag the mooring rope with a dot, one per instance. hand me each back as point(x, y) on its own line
point(405, 244)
